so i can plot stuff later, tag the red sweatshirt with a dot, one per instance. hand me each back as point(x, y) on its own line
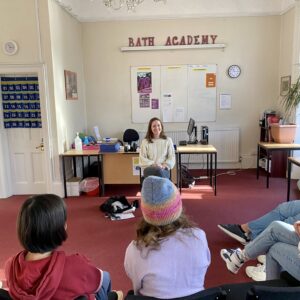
point(56, 277)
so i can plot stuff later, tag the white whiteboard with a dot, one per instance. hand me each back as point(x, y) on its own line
point(174, 93)
point(202, 92)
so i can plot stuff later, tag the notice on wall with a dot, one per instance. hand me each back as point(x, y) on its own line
point(225, 101)
point(135, 166)
point(174, 93)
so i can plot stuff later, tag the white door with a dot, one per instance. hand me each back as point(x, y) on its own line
point(26, 156)
point(27, 160)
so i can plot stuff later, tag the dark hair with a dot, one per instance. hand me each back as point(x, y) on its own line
point(149, 134)
point(151, 235)
point(41, 223)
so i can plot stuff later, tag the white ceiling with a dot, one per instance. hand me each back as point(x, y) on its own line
point(94, 10)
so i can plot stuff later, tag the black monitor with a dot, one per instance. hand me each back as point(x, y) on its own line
point(191, 128)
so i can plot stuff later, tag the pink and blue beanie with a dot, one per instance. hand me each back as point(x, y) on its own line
point(161, 202)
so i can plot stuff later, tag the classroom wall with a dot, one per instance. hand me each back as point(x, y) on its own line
point(18, 21)
point(47, 36)
point(66, 45)
point(252, 42)
point(287, 21)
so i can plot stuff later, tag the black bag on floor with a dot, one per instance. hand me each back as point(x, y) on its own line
point(186, 177)
point(117, 205)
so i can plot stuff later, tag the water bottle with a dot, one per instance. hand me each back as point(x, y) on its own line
point(78, 142)
point(86, 140)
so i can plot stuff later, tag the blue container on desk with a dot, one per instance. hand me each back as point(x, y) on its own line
point(110, 147)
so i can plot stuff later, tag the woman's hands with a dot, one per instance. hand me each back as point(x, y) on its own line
point(162, 166)
point(297, 227)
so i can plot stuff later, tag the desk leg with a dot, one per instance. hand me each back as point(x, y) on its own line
point(268, 167)
point(74, 166)
point(207, 167)
point(210, 169)
point(100, 174)
point(289, 180)
point(64, 174)
point(89, 165)
point(180, 177)
point(257, 162)
point(215, 174)
point(82, 165)
point(101, 191)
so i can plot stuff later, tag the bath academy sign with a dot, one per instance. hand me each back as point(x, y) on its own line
point(173, 42)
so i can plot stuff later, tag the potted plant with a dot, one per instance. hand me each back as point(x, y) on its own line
point(285, 132)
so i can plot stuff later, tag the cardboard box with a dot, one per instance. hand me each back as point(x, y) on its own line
point(73, 186)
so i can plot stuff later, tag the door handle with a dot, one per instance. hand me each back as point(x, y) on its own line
point(41, 146)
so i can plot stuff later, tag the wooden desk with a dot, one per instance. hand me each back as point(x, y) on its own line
point(83, 153)
point(118, 168)
point(269, 148)
point(211, 153)
point(295, 161)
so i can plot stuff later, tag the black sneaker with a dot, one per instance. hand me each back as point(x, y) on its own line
point(234, 231)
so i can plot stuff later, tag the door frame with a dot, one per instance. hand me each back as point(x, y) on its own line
point(6, 189)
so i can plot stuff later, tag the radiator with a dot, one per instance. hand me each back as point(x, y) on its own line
point(225, 140)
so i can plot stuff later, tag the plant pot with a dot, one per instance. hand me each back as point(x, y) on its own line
point(283, 134)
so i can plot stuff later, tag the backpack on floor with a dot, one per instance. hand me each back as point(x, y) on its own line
point(117, 205)
point(186, 177)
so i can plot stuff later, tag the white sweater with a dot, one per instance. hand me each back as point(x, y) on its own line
point(159, 152)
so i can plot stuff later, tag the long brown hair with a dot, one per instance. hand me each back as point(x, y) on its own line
point(149, 135)
point(148, 235)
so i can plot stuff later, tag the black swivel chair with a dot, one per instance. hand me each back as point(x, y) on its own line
point(131, 136)
point(216, 293)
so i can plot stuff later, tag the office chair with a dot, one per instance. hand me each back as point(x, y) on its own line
point(141, 173)
point(131, 136)
point(216, 293)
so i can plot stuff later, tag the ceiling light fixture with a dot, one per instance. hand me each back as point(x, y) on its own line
point(131, 4)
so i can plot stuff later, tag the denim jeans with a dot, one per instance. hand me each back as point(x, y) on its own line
point(288, 212)
point(105, 287)
point(156, 171)
point(280, 242)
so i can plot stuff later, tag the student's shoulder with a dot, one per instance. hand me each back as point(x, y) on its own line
point(169, 140)
point(131, 247)
point(77, 258)
point(199, 233)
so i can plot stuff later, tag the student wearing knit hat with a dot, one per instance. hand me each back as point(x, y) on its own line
point(157, 154)
point(169, 256)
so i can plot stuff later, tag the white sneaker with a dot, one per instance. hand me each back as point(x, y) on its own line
point(233, 259)
point(261, 259)
point(257, 273)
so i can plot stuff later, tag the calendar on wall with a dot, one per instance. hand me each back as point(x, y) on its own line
point(21, 102)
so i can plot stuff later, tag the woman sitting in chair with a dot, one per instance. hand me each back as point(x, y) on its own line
point(157, 154)
point(169, 256)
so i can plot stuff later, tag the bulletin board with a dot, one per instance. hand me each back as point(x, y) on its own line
point(174, 93)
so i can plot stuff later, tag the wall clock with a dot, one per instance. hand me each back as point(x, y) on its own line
point(234, 71)
point(10, 47)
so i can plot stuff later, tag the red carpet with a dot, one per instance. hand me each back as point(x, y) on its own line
point(239, 198)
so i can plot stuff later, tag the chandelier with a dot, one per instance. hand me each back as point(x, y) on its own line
point(130, 4)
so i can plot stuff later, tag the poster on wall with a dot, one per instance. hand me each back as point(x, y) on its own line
point(145, 93)
point(144, 82)
point(71, 85)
